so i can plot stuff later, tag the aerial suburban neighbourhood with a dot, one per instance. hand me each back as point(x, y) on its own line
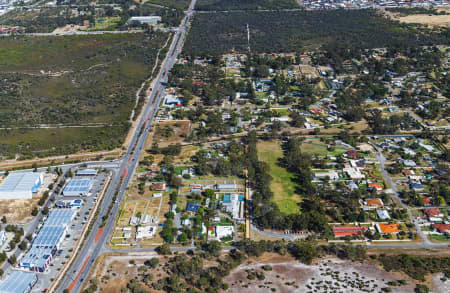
point(224, 146)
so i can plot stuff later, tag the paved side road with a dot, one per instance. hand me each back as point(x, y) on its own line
point(426, 243)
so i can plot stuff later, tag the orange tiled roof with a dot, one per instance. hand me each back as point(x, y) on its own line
point(374, 202)
point(389, 228)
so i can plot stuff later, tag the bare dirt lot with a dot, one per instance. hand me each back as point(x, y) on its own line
point(426, 19)
point(434, 20)
point(112, 272)
point(326, 275)
point(18, 210)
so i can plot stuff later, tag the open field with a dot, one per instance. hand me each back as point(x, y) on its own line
point(18, 210)
point(282, 185)
point(433, 20)
point(422, 18)
point(113, 271)
point(105, 23)
point(135, 205)
point(316, 147)
point(171, 132)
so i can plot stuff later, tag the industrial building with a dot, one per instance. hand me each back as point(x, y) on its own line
point(48, 240)
point(18, 282)
point(86, 173)
point(20, 185)
point(145, 19)
point(77, 187)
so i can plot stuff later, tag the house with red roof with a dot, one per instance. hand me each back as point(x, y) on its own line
point(433, 213)
point(426, 201)
point(442, 228)
point(348, 231)
point(160, 186)
point(353, 154)
point(375, 186)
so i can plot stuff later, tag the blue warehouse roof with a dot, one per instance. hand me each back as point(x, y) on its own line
point(18, 282)
point(49, 236)
point(37, 257)
point(60, 217)
point(87, 172)
point(77, 187)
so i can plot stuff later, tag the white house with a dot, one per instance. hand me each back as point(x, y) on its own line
point(145, 232)
point(224, 231)
point(331, 175)
point(354, 173)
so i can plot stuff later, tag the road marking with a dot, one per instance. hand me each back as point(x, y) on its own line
point(98, 235)
point(79, 274)
point(124, 173)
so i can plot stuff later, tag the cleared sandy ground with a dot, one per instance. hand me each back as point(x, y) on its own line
point(327, 275)
point(434, 20)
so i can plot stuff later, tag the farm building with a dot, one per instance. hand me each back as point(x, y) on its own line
point(77, 187)
point(20, 185)
point(18, 282)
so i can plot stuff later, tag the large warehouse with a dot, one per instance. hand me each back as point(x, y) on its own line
point(20, 185)
point(48, 240)
point(18, 282)
point(77, 187)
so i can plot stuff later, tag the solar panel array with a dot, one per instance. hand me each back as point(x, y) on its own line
point(60, 217)
point(77, 187)
point(18, 282)
point(48, 239)
point(49, 236)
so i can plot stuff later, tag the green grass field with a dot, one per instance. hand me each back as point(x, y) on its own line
point(315, 147)
point(105, 23)
point(282, 185)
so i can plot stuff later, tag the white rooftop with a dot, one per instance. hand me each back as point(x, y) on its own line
point(20, 181)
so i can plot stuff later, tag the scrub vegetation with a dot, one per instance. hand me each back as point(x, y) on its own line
point(293, 31)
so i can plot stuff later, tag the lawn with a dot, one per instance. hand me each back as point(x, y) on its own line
point(315, 147)
point(282, 185)
point(105, 23)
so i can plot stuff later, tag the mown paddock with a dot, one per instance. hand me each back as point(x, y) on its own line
point(283, 182)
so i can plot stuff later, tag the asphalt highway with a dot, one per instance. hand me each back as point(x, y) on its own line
point(91, 250)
